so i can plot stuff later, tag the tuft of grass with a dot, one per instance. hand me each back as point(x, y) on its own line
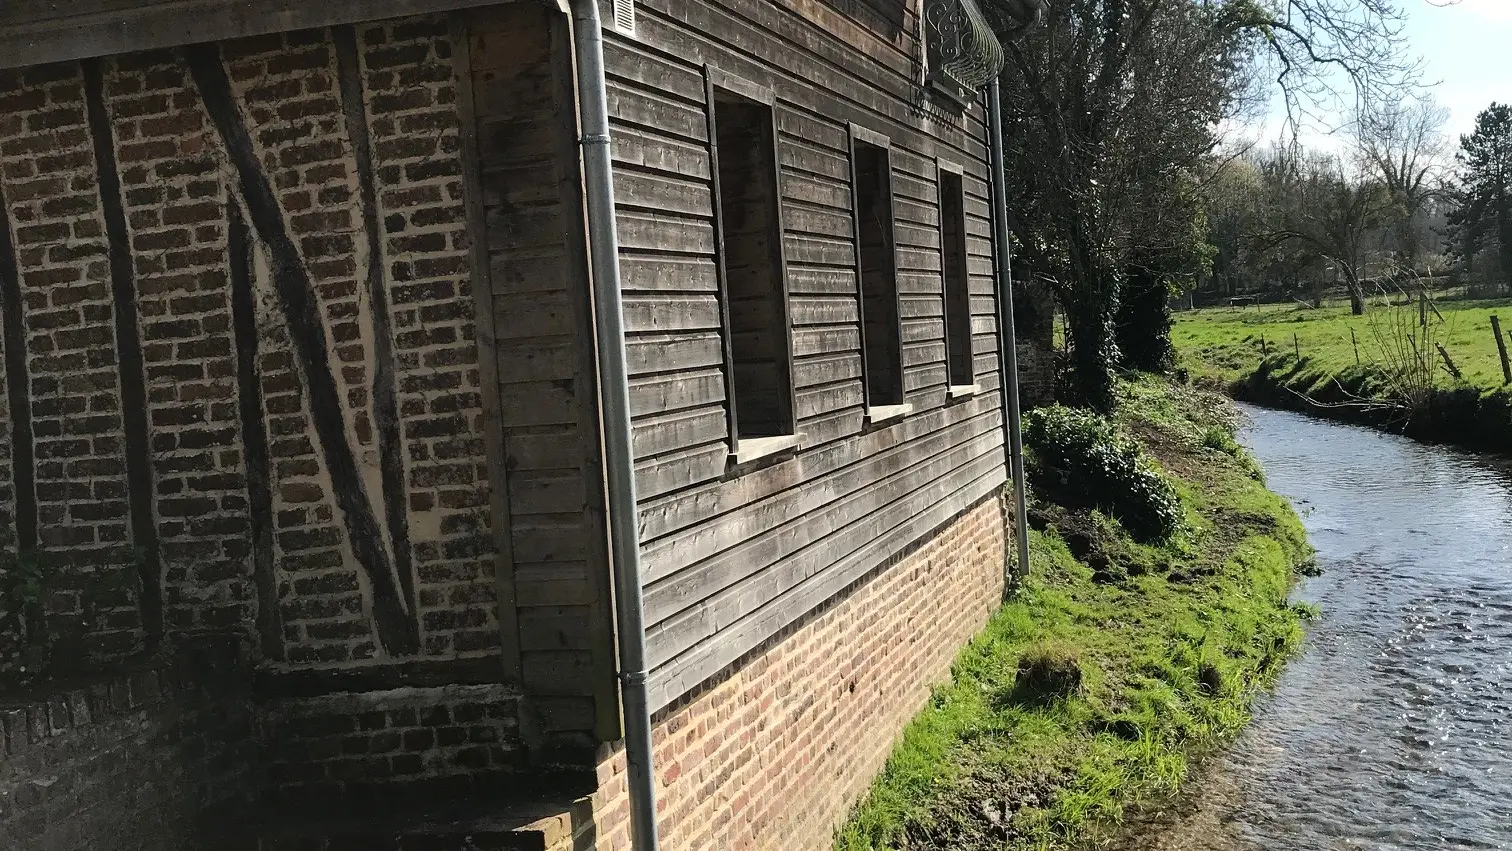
point(1089, 691)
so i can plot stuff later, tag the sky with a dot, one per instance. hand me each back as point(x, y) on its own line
point(1466, 48)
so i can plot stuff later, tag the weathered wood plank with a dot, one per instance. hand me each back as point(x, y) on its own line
point(708, 505)
point(536, 359)
point(908, 211)
point(826, 369)
point(819, 250)
point(664, 273)
point(800, 155)
point(826, 399)
point(816, 310)
point(659, 192)
point(652, 150)
point(701, 610)
point(797, 507)
point(813, 129)
point(546, 492)
point(801, 218)
point(635, 65)
point(676, 391)
point(921, 305)
point(554, 583)
point(681, 471)
point(660, 434)
point(821, 280)
point(823, 192)
point(556, 448)
point(688, 670)
point(528, 270)
point(671, 313)
point(915, 236)
point(640, 108)
point(529, 315)
point(918, 260)
point(825, 340)
point(640, 230)
point(648, 353)
point(34, 32)
point(535, 403)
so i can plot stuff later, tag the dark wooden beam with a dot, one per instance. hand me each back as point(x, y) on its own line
point(36, 31)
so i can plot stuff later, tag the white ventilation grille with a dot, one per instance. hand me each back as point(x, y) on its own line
point(624, 16)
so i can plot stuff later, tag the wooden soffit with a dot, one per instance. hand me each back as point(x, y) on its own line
point(33, 32)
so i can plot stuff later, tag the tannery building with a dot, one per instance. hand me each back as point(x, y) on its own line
point(411, 407)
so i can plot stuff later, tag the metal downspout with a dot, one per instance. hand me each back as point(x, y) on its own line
point(614, 387)
point(1013, 425)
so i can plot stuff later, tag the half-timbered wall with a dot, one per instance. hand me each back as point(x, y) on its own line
point(734, 554)
point(241, 376)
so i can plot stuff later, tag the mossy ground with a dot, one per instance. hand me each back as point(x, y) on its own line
point(1171, 642)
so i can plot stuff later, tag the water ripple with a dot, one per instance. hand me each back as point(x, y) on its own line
point(1391, 730)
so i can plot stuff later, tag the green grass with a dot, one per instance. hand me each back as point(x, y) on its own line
point(1310, 363)
point(1171, 650)
point(1224, 343)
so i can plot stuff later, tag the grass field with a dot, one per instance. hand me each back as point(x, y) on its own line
point(1171, 644)
point(1224, 343)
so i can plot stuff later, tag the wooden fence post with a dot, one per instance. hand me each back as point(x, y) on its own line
point(1354, 341)
point(1449, 363)
point(1423, 308)
point(1263, 352)
point(1501, 349)
point(1296, 346)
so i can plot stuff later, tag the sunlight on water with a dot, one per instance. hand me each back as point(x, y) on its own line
point(1393, 729)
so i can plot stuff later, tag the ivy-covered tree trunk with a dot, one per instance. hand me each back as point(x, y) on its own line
point(1144, 321)
point(1093, 349)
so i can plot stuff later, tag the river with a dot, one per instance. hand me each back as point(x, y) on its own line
point(1393, 728)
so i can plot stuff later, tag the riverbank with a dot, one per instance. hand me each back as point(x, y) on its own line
point(1113, 666)
point(1327, 363)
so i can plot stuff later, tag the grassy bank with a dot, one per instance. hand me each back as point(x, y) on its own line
point(1112, 667)
point(1330, 363)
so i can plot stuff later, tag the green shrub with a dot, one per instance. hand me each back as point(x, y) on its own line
point(1082, 461)
point(1221, 439)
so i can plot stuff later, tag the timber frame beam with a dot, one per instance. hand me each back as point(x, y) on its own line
point(33, 32)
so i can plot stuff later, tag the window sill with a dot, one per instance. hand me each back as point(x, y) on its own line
point(962, 391)
point(883, 413)
point(752, 448)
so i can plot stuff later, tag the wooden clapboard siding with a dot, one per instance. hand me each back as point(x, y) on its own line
point(542, 382)
point(733, 554)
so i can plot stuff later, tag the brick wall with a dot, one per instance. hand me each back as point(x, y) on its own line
point(129, 762)
point(240, 277)
point(773, 754)
point(396, 745)
point(1036, 368)
point(49, 181)
point(237, 277)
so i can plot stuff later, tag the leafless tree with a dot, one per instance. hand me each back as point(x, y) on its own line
point(1404, 147)
point(1331, 57)
point(1318, 204)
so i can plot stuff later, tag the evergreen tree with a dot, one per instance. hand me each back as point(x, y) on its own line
point(1482, 219)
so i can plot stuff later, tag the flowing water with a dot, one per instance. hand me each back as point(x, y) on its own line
point(1393, 728)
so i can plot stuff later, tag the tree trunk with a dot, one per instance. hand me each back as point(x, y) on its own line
point(1356, 293)
point(1089, 333)
point(1504, 237)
